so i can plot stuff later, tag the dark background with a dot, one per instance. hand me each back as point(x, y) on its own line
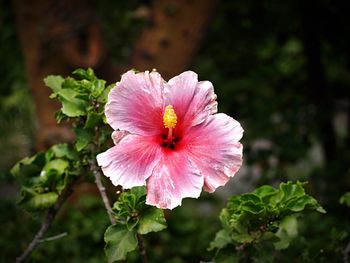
point(281, 68)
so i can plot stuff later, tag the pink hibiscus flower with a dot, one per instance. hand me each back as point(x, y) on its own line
point(168, 137)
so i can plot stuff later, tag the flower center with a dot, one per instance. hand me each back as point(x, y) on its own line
point(169, 121)
point(169, 117)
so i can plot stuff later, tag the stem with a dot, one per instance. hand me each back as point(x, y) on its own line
point(51, 213)
point(53, 238)
point(142, 249)
point(97, 173)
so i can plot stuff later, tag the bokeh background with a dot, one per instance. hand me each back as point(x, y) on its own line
point(282, 68)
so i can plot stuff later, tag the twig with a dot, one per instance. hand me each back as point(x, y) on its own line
point(142, 249)
point(53, 237)
point(346, 253)
point(51, 213)
point(97, 173)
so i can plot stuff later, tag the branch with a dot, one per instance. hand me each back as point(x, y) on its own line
point(51, 213)
point(97, 173)
point(142, 250)
point(53, 238)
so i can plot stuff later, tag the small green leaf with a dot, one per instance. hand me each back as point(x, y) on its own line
point(104, 95)
point(85, 74)
point(265, 192)
point(83, 138)
point(222, 239)
point(303, 202)
point(54, 82)
point(59, 165)
point(119, 242)
point(98, 87)
point(93, 119)
point(62, 151)
point(292, 190)
point(287, 232)
point(16, 170)
point(138, 191)
point(29, 167)
point(72, 105)
point(253, 207)
point(34, 202)
point(240, 232)
point(345, 199)
point(151, 220)
point(228, 255)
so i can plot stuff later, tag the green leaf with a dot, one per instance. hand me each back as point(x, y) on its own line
point(83, 138)
point(302, 203)
point(72, 105)
point(54, 82)
point(228, 255)
point(265, 192)
point(32, 202)
point(119, 242)
point(85, 74)
point(253, 207)
point(98, 86)
point(93, 119)
point(58, 165)
point(16, 170)
point(287, 232)
point(151, 220)
point(345, 199)
point(222, 239)
point(104, 95)
point(240, 232)
point(63, 151)
point(51, 174)
point(291, 190)
point(138, 191)
point(29, 167)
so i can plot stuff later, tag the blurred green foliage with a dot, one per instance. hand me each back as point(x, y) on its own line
point(265, 219)
point(17, 122)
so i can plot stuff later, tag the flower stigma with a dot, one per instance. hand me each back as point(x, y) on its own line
point(169, 121)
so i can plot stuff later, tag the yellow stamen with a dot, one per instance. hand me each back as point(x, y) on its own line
point(169, 117)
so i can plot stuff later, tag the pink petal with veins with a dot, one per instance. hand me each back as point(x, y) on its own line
point(173, 179)
point(136, 103)
point(214, 148)
point(131, 161)
point(193, 101)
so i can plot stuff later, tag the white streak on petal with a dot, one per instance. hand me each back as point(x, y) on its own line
point(173, 179)
point(131, 161)
point(214, 148)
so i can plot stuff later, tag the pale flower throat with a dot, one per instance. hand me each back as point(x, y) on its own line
point(169, 121)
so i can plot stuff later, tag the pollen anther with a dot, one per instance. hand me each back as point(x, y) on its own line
point(169, 117)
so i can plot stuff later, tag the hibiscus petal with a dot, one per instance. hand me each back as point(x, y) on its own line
point(131, 161)
point(173, 179)
point(118, 135)
point(136, 103)
point(193, 101)
point(214, 148)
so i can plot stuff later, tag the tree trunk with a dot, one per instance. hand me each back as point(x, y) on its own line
point(56, 36)
point(172, 36)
